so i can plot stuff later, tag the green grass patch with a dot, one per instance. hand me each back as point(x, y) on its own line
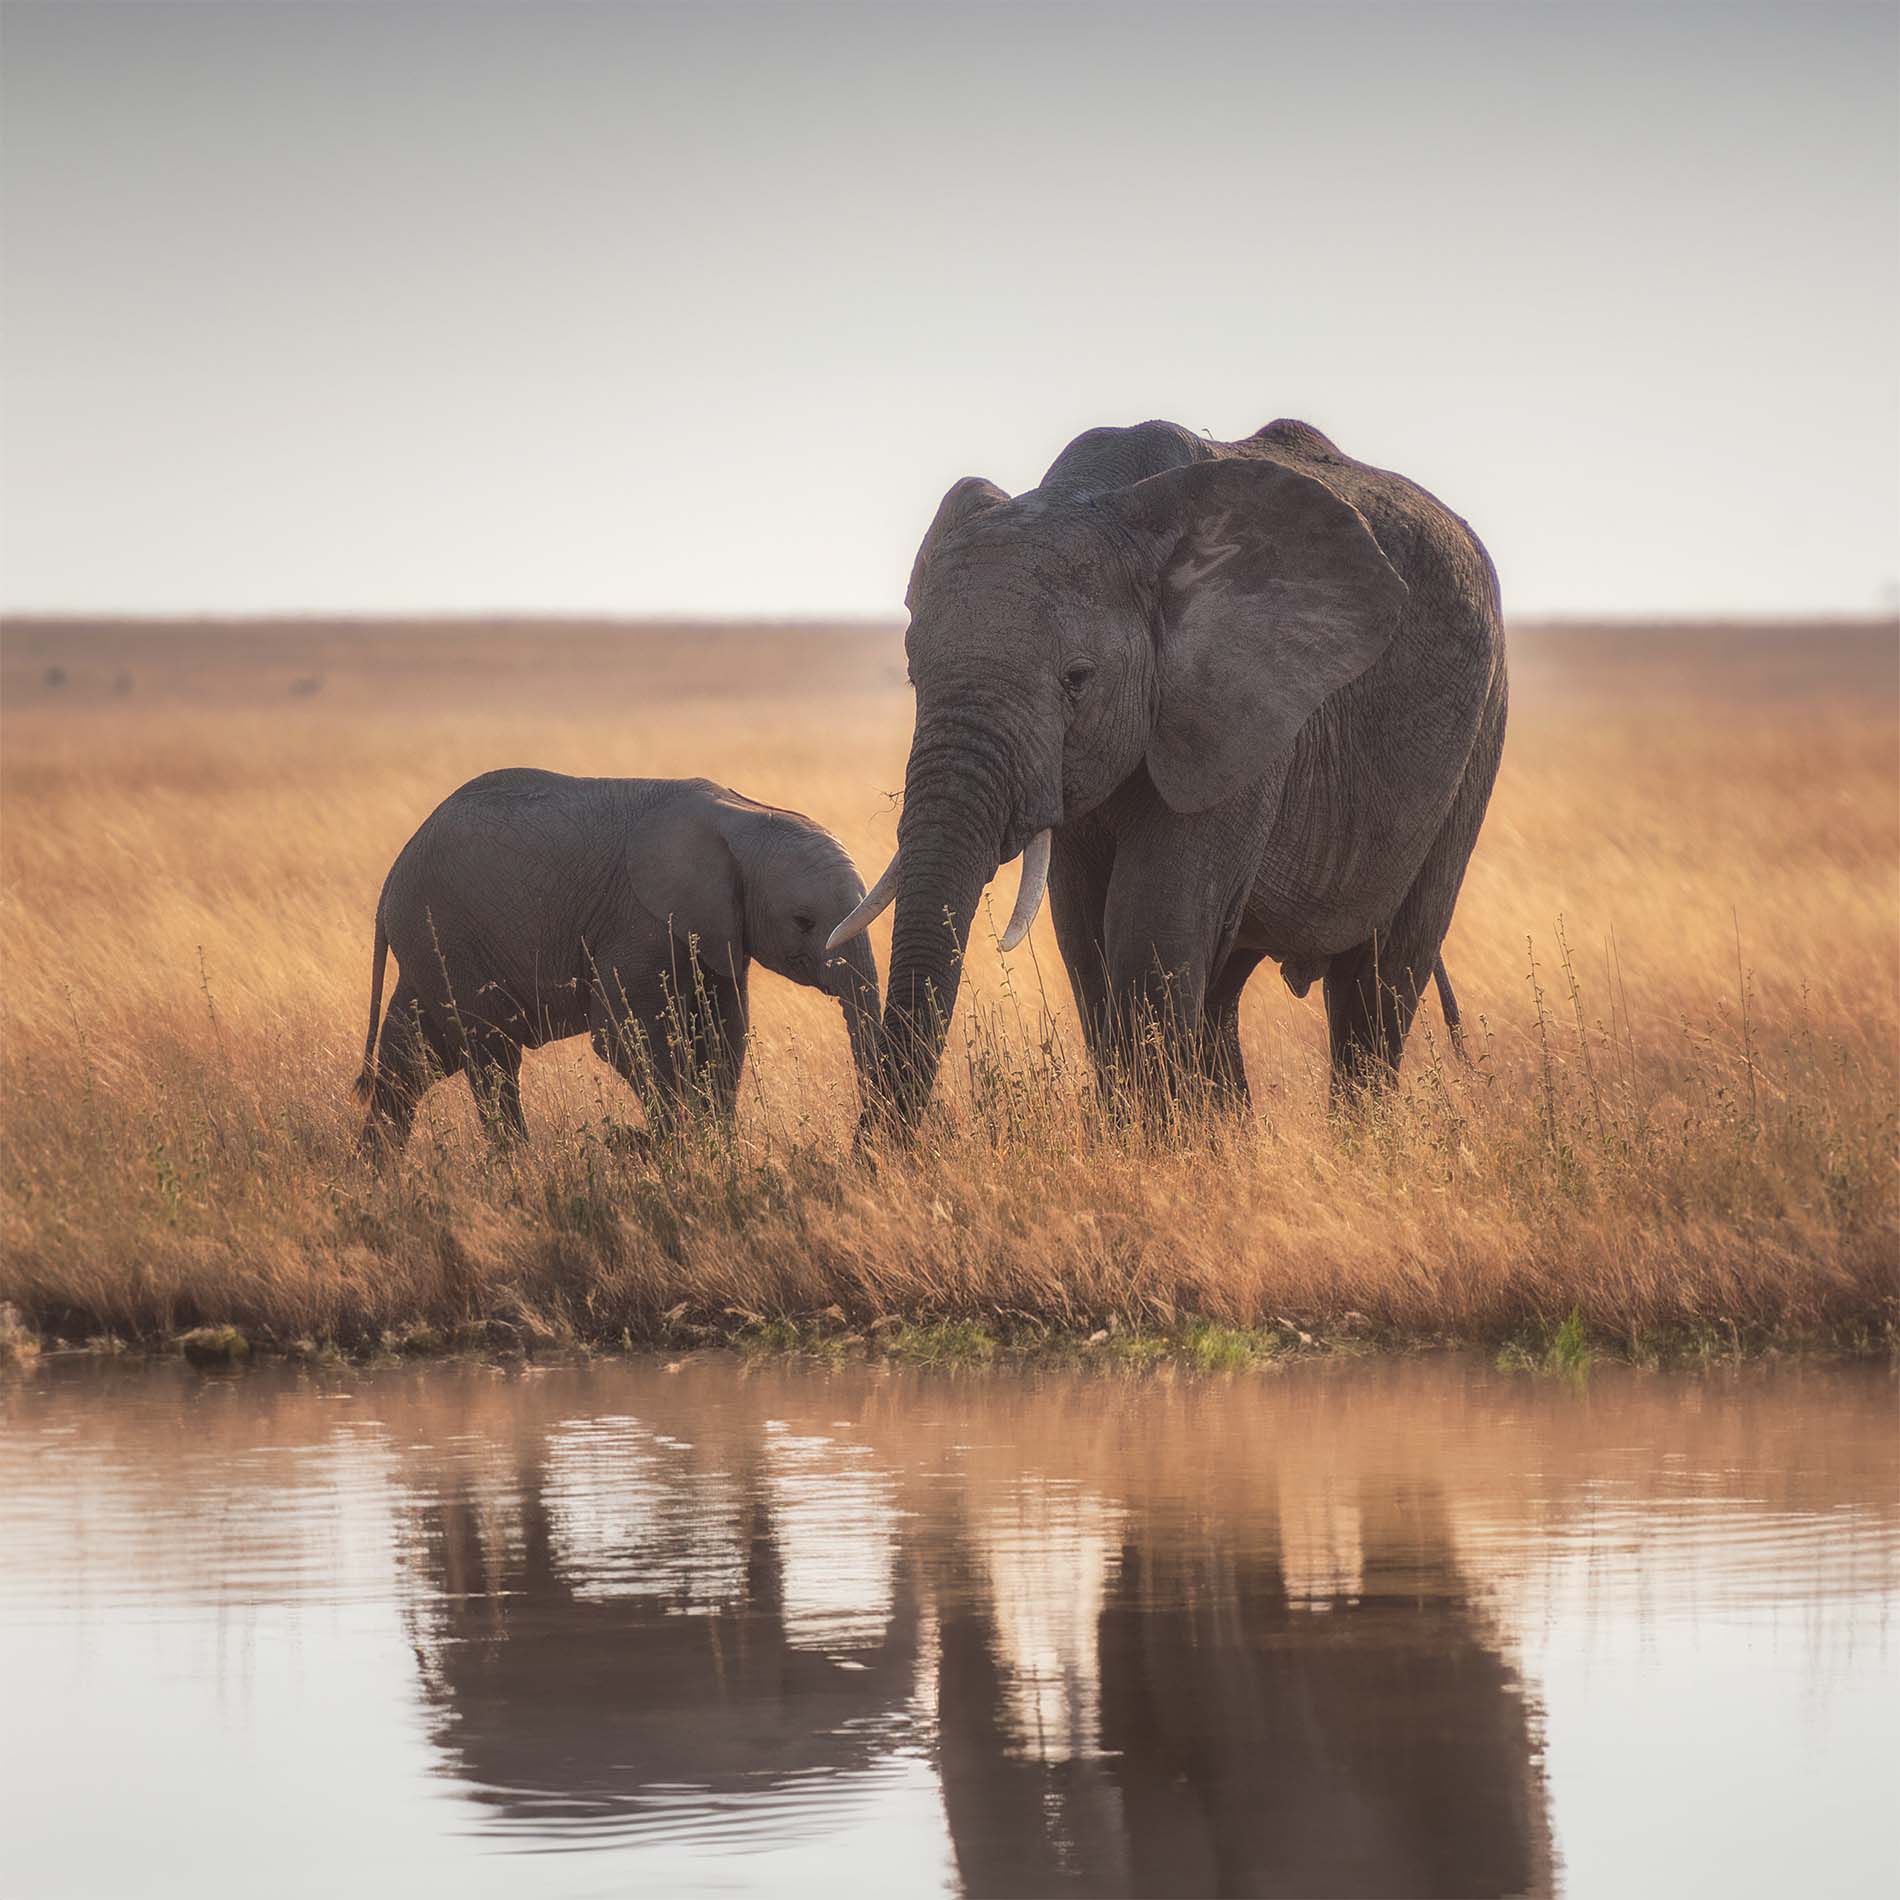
point(1564, 1350)
point(1208, 1346)
point(944, 1342)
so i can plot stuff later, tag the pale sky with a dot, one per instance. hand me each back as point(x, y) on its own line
point(610, 308)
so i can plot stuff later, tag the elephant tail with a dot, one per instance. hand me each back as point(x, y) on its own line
point(1449, 1004)
point(366, 1082)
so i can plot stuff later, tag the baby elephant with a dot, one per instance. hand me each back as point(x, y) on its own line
point(532, 906)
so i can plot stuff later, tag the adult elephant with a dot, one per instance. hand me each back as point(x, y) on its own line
point(1231, 701)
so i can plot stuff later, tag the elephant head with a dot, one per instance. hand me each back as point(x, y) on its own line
point(1187, 623)
point(796, 881)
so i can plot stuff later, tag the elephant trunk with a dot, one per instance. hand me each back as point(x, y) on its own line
point(851, 973)
point(950, 840)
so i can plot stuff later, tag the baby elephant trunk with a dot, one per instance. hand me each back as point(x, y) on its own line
point(851, 976)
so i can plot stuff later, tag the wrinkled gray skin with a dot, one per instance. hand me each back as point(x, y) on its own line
point(1257, 689)
point(531, 907)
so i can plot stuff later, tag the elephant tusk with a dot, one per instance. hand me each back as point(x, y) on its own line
point(1029, 896)
point(876, 901)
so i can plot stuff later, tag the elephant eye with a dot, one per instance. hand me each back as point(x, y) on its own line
point(803, 922)
point(1077, 674)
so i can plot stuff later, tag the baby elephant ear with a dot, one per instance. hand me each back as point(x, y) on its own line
point(1272, 594)
point(967, 499)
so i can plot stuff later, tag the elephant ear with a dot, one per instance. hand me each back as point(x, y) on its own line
point(967, 499)
point(1272, 594)
point(688, 878)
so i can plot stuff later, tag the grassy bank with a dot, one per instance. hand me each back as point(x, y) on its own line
point(1675, 953)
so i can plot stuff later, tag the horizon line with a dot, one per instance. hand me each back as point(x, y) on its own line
point(1869, 617)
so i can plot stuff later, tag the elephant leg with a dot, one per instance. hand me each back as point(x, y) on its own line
point(1159, 987)
point(1078, 899)
point(1160, 956)
point(412, 1055)
point(1221, 1061)
point(1373, 989)
point(494, 1079)
point(680, 1052)
point(705, 1035)
point(1175, 901)
point(627, 1055)
point(719, 1025)
point(1372, 993)
point(633, 1030)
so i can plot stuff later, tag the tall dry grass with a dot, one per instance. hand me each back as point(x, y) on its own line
point(1676, 954)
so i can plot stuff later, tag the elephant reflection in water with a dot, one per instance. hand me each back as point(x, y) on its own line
point(1255, 1739)
point(584, 1711)
point(1119, 1708)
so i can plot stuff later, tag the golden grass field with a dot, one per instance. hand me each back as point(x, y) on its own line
point(1680, 1128)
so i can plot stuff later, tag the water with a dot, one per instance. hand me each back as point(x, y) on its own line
point(1391, 1627)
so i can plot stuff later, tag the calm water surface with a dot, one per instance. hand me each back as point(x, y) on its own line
point(641, 1627)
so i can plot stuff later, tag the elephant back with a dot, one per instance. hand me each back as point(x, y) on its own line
point(1101, 460)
